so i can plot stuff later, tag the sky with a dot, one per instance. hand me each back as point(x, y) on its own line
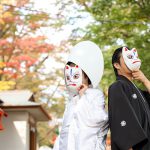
point(56, 37)
point(51, 64)
point(50, 7)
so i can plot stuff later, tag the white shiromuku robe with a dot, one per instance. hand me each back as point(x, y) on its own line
point(85, 123)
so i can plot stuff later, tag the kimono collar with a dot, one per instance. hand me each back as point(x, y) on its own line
point(121, 77)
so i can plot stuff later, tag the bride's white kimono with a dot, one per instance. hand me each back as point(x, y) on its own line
point(85, 123)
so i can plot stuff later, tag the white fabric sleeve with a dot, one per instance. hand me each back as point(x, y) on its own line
point(92, 109)
point(56, 145)
point(92, 121)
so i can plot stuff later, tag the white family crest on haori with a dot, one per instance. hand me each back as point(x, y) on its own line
point(131, 58)
point(123, 123)
point(134, 96)
point(85, 54)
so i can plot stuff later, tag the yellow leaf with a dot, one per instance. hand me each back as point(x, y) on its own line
point(1, 21)
point(7, 14)
point(2, 64)
point(11, 83)
point(1, 8)
point(9, 2)
point(6, 85)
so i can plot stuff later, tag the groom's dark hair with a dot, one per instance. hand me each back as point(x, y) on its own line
point(116, 58)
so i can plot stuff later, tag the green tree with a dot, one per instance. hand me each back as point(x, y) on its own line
point(120, 23)
point(112, 24)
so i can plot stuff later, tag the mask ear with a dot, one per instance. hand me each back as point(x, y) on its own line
point(124, 49)
point(67, 67)
point(76, 66)
point(134, 50)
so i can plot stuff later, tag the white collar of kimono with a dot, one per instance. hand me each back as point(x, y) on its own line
point(73, 78)
point(131, 58)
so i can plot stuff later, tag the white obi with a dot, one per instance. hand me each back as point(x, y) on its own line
point(85, 123)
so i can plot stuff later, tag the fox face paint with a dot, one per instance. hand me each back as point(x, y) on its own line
point(131, 58)
point(73, 78)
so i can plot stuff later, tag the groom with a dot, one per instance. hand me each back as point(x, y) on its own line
point(129, 107)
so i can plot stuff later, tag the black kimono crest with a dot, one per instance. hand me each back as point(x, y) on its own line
point(129, 116)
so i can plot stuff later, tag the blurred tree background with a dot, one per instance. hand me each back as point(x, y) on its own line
point(119, 23)
point(25, 50)
point(26, 56)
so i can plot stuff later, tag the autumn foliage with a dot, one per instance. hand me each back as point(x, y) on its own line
point(21, 46)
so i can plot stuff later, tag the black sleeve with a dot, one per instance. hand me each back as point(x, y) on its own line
point(126, 130)
point(147, 96)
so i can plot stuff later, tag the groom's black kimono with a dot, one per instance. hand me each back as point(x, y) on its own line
point(129, 116)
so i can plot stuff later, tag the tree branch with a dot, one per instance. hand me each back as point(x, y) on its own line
point(53, 93)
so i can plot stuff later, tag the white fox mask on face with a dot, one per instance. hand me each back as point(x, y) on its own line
point(73, 78)
point(131, 58)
